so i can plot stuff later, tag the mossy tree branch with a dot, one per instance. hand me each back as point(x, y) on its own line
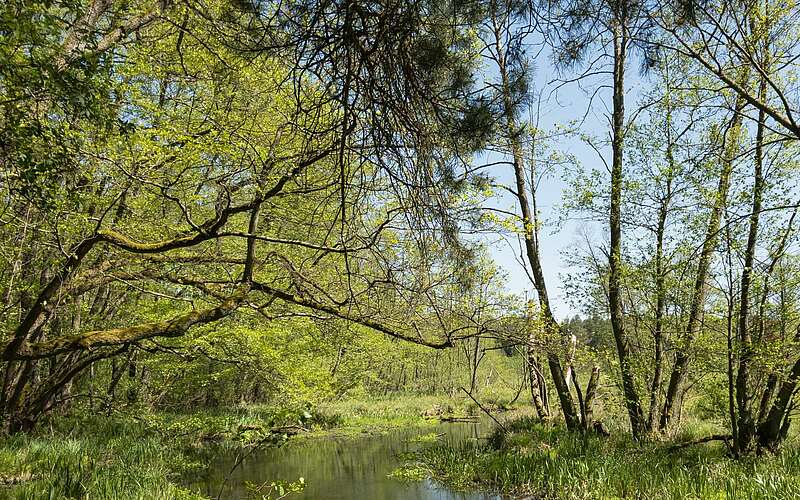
point(173, 327)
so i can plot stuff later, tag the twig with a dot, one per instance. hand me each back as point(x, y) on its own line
point(240, 458)
point(484, 410)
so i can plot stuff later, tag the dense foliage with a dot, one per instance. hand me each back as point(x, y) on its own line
point(230, 203)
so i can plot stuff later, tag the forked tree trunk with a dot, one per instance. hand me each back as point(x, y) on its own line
point(586, 400)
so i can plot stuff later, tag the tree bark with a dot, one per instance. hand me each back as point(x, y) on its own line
point(630, 393)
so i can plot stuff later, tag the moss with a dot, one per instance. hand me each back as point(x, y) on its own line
point(117, 336)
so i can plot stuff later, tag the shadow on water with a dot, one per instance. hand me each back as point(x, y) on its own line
point(343, 468)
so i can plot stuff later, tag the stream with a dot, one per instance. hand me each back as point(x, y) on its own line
point(343, 468)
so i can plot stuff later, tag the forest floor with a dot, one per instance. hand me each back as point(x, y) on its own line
point(532, 460)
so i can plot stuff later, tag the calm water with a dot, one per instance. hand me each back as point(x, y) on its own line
point(343, 468)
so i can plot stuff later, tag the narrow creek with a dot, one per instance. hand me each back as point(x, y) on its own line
point(346, 468)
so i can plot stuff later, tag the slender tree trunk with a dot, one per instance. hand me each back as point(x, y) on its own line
point(699, 290)
point(630, 393)
point(579, 393)
point(660, 279)
point(746, 422)
point(551, 328)
point(473, 383)
point(534, 376)
point(661, 302)
point(730, 334)
point(543, 387)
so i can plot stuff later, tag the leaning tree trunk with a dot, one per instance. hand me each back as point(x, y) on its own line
point(772, 430)
point(682, 356)
point(551, 329)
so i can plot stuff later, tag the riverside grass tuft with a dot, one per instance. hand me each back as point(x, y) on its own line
point(533, 460)
point(99, 458)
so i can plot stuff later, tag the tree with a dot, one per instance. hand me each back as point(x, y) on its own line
point(228, 156)
point(504, 36)
point(717, 36)
point(614, 30)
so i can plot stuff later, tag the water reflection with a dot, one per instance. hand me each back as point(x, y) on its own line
point(343, 469)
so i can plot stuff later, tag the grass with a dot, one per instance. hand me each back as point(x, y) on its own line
point(129, 455)
point(98, 458)
point(540, 461)
point(144, 455)
point(141, 455)
point(379, 415)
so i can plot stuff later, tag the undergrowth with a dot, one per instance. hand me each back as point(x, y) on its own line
point(540, 461)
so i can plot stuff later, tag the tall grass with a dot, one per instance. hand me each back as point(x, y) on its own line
point(128, 456)
point(546, 462)
point(98, 458)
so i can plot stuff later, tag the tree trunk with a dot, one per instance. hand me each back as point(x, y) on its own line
point(746, 423)
point(630, 393)
point(682, 355)
point(772, 431)
point(729, 330)
point(591, 394)
point(535, 378)
point(661, 303)
point(529, 220)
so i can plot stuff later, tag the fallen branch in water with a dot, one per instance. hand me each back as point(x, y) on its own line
point(484, 410)
point(289, 430)
point(468, 418)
